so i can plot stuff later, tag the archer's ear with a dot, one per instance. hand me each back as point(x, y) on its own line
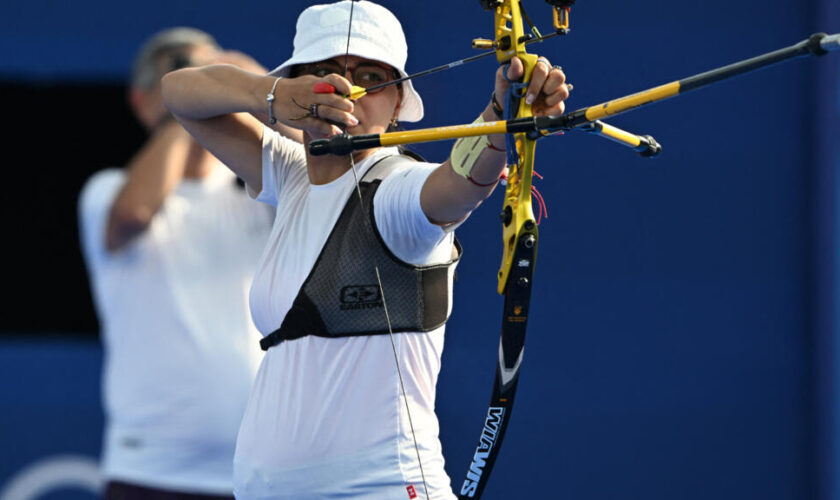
point(135, 100)
point(143, 105)
point(399, 105)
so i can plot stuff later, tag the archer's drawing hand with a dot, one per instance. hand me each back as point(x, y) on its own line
point(296, 100)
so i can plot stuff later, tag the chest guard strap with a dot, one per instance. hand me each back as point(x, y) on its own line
point(341, 295)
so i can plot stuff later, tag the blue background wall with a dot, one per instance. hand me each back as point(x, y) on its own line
point(680, 343)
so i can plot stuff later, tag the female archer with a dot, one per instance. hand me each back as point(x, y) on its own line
point(357, 271)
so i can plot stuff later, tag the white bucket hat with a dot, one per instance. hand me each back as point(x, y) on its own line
point(376, 34)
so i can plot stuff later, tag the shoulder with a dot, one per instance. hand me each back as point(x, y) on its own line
point(406, 174)
point(400, 219)
point(101, 188)
point(95, 201)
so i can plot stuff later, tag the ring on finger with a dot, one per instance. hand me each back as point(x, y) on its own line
point(301, 106)
point(313, 110)
point(545, 61)
point(557, 66)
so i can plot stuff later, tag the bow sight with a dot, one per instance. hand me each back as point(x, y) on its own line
point(560, 8)
point(561, 12)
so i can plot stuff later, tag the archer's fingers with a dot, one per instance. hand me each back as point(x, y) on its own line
point(341, 84)
point(542, 109)
point(334, 108)
point(555, 89)
point(504, 75)
point(336, 116)
point(508, 73)
point(553, 103)
point(538, 79)
point(319, 129)
point(334, 101)
point(515, 69)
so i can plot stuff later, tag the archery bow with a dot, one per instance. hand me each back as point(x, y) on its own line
point(519, 237)
point(520, 234)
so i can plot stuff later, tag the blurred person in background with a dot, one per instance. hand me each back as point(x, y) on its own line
point(171, 243)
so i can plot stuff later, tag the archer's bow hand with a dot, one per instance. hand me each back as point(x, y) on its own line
point(546, 92)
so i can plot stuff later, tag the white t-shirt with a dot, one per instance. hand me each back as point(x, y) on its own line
point(326, 418)
point(181, 351)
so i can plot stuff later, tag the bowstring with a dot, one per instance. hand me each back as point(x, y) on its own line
point(368, 224)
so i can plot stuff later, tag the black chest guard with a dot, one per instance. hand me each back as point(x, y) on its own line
point(341, 296)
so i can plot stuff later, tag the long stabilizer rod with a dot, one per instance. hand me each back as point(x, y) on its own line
point(817, 44)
